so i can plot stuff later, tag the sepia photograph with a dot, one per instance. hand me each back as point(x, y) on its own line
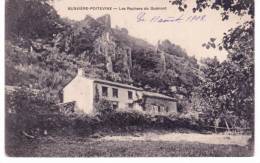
point(116, 78)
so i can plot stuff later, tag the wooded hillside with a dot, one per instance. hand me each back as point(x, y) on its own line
point(44, 52)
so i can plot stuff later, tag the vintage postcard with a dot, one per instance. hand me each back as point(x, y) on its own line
point(117, 78)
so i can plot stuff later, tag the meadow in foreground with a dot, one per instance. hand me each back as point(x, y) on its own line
point(90, 147)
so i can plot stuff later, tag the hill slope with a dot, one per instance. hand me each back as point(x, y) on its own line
point(48, 62)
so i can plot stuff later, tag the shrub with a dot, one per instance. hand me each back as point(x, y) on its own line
point(34, 116)
point(103, 106)
point(22, 109)
point(29, 113)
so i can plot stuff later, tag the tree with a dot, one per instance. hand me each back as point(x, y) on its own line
point(229, 85)
point(238, 7)
point(31, 19)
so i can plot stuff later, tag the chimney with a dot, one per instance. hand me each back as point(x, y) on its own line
point(80, 72)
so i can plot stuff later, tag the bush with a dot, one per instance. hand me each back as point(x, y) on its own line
point(131, 121)
point(103, 107)
point(29, 115)
point(22, 109)
point(33, 114)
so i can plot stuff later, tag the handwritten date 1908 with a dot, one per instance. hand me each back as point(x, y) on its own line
point(143, 17)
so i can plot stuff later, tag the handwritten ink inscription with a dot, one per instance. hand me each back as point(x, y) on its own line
point(143, 17)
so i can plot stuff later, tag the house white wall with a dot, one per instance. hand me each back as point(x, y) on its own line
point(122, 98)
point(81, 90)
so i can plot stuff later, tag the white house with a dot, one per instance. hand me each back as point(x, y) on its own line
point(84, 90)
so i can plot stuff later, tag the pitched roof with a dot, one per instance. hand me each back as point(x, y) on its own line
point(145, 93)
point(116, 84)
point(158, 95)
point(105, 82)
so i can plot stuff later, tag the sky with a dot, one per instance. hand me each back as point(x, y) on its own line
point(190, 35)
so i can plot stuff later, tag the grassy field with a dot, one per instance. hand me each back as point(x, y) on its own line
point(89, 147)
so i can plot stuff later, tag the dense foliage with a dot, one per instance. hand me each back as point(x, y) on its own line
point(44, 52)
point(238, 7)
point(30, 19)
point(229, 86)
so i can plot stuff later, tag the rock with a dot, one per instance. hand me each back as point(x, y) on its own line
point(105, 20)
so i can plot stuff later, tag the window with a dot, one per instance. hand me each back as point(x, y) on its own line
point(167, 109)
point(130, 105)
point(163, 109)
point(104, 91)
point(159, 109)
point(130, 95)
point(115, 105)
point(154, 109)
point(115, 92)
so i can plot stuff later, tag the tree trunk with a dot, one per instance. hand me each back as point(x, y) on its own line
point(227, 125)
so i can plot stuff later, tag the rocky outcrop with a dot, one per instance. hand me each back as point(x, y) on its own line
point(87, 22)
point(106, 47)
point(123, 60)
point(116, 55)
point(127, 61)
point(162, 59)
point(100, 43)
point(112, 50)
point(105, 20)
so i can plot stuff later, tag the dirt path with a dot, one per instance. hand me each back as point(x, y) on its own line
point(241, 140)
